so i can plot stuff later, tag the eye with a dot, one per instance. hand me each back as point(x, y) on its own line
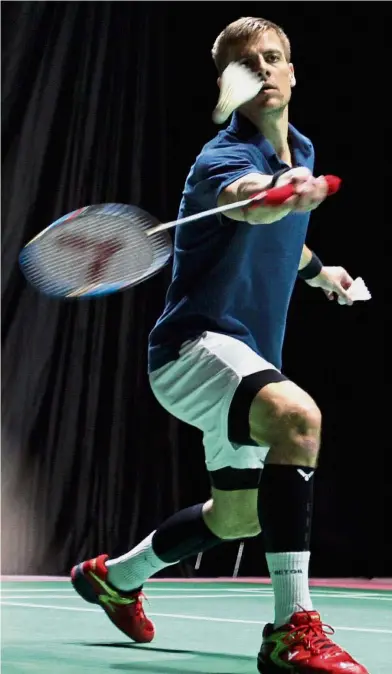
point(273, 58)
point(248, 62)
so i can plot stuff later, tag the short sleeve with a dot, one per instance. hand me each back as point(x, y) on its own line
point(216, 169)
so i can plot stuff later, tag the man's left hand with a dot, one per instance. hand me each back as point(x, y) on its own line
point(335, 282)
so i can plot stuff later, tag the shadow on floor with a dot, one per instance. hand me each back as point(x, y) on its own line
point(223, 663)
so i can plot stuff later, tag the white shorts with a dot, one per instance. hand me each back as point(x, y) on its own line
point(198, 389)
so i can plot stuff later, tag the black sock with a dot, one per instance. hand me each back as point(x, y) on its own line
point(183, 535)
point(285, 507)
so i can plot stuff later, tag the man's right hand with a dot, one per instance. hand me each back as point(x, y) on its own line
point(310, 192)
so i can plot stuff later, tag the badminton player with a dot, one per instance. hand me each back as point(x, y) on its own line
point(215, 363)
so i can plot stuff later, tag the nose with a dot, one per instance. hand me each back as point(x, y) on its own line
point(262, 67)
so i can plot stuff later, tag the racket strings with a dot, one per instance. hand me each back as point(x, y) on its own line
point(97, 249)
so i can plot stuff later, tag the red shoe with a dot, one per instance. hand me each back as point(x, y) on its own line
point(125, 609)
point(304, 647)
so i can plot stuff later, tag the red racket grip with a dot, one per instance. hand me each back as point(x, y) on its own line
point(278, 195)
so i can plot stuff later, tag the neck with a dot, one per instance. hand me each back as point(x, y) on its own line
point(275, 128)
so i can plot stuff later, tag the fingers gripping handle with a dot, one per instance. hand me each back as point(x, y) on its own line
point(278, 195)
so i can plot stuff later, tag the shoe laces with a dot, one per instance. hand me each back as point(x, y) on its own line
point(313, 636)
point(139, 610)
point(134, 600)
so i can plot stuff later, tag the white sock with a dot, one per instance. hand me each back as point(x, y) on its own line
point(289, 573)
point(130, 571)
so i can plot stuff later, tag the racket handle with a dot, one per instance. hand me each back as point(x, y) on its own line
point(278, 195)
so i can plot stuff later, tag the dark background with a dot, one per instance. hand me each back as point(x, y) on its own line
point(111, 101)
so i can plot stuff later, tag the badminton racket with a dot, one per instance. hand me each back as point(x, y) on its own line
point(104, 248)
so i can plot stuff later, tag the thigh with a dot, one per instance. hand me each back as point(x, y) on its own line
point(198, 388)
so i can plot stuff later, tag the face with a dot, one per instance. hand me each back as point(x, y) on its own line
point(265, 55)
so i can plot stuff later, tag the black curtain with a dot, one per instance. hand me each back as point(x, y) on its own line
point(111, 102)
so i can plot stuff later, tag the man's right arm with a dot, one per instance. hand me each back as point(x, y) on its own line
point(244, 188)
point(252, 183)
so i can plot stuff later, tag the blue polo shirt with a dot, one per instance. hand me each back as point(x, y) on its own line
point(231, 277)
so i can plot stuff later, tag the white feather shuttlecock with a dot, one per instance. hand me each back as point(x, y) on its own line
point(238, 86)
point(358, 291)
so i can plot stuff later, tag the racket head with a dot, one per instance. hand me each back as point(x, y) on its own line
point(94, 251)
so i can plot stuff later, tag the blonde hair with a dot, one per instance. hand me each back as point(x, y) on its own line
point(243, 30)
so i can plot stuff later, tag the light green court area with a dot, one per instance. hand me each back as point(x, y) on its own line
point(202, 628)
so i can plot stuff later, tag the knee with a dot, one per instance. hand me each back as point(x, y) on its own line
point(301, 422)
point(292, 429)
point(300, 430)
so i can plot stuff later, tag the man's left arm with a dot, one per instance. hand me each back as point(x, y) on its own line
point(334, 281)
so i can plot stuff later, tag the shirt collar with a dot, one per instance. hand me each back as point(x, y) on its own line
point(244, 129)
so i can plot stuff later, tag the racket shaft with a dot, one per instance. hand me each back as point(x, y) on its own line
point(272, 197)
point(204, 214)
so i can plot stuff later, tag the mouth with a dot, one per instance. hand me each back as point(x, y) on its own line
point(267, 88)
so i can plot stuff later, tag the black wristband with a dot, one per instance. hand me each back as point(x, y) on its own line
point(277, 175)
point(312, 269)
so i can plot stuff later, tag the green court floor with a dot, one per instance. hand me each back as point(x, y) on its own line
point(201, 628)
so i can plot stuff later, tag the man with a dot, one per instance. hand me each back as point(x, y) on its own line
point(215, 361)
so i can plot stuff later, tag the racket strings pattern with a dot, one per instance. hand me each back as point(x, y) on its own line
point(94, 250)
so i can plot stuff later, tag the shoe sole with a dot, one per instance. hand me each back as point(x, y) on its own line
point(82, 586)
point(268, 668)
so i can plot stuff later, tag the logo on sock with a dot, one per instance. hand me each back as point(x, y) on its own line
point(287, 572)
point(306, 476)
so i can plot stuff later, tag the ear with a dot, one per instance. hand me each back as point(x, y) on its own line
point(292, 76)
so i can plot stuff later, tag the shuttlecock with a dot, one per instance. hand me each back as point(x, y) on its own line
point(238, 86)
point(358, 291)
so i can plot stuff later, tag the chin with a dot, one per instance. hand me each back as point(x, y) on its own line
point(270, 106)
point(270, 103)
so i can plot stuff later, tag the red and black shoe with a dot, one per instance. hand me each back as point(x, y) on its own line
point(304, 647)
point(125, 609)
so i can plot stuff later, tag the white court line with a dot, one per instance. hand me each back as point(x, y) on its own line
point(322, 595)
point(319, 592)
point(152, 589)
point(149, 590)
point(57, 608)
point(166, 596)
point(186, 617)
point(29, 594)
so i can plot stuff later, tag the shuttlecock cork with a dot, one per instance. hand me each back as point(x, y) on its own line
point(358, 291)
point(238, 85)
